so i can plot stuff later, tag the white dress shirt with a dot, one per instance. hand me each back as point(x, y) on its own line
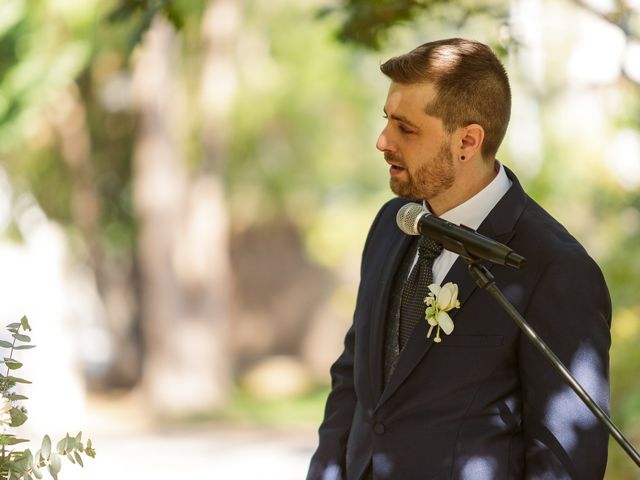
point(471, 214)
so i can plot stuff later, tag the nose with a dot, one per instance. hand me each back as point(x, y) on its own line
point(382, 143)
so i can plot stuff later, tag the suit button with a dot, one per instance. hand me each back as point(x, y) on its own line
point(378, 428)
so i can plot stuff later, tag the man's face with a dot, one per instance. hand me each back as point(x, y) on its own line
point(415, 144)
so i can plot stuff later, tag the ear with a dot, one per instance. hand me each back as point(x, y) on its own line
point(471, 139)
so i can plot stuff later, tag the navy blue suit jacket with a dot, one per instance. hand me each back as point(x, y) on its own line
point(484, 403)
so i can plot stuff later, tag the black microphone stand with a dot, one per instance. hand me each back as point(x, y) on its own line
point(485, 280)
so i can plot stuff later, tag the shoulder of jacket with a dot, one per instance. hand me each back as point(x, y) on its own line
point(548, 236)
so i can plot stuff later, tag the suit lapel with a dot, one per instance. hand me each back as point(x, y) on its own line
point(418, 344)
point(499, 225)
point(397, 245)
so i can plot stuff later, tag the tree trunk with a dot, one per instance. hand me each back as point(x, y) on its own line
point(182, 249)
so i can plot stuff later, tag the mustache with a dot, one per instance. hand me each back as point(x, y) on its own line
point(393, 158)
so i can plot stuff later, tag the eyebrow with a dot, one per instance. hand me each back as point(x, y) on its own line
point(402, 119)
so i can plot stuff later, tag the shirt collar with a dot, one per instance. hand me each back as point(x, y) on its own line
point(472, 212)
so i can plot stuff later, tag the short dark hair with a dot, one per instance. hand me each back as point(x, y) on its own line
point(471, 85)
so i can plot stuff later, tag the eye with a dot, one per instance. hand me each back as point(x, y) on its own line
point(403, 129)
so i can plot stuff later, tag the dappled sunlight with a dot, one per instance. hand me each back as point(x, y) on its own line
point(479, 468)
point(332, 472)
point(383, 463)
point(565, 417)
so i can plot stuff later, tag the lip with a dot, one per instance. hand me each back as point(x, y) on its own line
point(395, 169)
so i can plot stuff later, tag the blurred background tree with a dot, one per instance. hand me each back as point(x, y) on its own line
point(213, 168)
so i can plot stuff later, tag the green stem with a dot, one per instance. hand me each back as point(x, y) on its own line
point(5, 387)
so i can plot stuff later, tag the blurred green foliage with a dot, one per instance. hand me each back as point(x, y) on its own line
point(369, 23)
point(304, 409)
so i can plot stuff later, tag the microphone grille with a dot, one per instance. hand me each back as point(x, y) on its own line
point(407, 218)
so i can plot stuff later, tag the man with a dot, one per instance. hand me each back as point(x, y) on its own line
point(483, 403)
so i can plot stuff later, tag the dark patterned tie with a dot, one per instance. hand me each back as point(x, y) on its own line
point(416, 287)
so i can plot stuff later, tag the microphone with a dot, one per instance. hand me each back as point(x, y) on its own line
point(413, 219)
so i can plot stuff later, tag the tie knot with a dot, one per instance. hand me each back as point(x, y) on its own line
point(428, 249)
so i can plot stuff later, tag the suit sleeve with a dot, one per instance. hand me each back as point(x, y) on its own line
point(328, 462)
point(571, 311)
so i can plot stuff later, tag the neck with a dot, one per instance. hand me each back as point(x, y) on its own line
point(466, 185)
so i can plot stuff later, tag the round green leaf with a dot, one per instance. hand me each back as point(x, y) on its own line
point(18, 417)
point(12, 364)
point(55, 465)
point(45, 450)
point(24, 322)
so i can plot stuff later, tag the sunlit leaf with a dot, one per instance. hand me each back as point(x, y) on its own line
point(65, 444)
point(37, 473)
point(89, 451)
point(15, 441)
point(18, 417)
point(55, 465)
point(17, 379)
point(12, 364)
point(16, 396)
point(28, 456)
point(45, 449)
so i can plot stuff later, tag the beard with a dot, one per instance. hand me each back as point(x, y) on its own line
point(431, 178)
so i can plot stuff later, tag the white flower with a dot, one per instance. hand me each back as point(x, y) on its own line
point(440, 300)
point(5, 415)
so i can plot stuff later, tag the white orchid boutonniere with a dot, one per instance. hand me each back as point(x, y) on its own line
point(440, 300)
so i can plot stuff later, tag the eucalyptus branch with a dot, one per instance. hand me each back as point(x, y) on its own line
point(22, 464)
point(5, 387)
point(13, 344)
